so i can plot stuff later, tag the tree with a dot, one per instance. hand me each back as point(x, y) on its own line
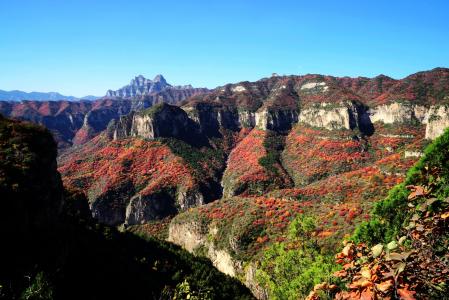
point(289, 270)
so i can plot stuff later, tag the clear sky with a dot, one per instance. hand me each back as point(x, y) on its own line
point(88, 46)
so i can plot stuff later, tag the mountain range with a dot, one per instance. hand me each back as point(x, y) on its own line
point(74, 122)
point(39, 96)
point(265, 179)
point(138, 87)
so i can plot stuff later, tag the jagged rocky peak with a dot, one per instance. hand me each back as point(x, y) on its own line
point(159, 78)
point(141, 86)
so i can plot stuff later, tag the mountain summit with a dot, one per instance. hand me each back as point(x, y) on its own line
point(141, 86)
point(160, 78)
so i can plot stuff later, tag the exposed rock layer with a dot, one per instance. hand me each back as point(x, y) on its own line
point(192, 237)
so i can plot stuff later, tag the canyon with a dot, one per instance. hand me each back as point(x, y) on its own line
point(231, 168)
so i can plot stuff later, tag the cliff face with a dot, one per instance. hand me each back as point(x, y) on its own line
point(162, 120)
point(435, 117)
point(437, 121)
point(276, 119)
point(346, 115)
point(193, 237)
point(340, 115)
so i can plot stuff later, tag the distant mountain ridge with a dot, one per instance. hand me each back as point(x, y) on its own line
point(75, 122)
point(141, 86)
point(17, 95)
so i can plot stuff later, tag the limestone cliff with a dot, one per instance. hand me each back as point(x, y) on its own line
point(435, 117)
point(196, 238)
point(398, 112)
point(437, 120)
point(143, 208)
point(347, 115)
point(162, 120)
point(276, 119)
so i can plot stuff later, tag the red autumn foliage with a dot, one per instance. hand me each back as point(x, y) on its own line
point(148, 165)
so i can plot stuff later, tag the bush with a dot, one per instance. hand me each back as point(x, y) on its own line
point(389, 215)
point(291, 269)
point(40, 289)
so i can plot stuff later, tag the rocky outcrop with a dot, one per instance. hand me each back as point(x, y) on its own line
point(193, 238)
point(142, 208)
point(106, 110)
point(398, 112)
point(330, 116)
point(276, 119)
point(162, 120)
point(196, 238)
point(210, 118)
point(437, 121)
point(435, 117)
point(247, 119)
point(110, 207)
point(96, 121)
point(412, 153)
point(122, 127)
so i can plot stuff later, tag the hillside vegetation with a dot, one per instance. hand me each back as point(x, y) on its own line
point(53, 249)
point(285, 157)
point(403, 251)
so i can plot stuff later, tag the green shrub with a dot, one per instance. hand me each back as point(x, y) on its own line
point(290, 270)
point(40, 289)
point(274, 144)
point(389, 215)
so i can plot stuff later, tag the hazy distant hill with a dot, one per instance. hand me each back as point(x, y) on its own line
point(20, 95)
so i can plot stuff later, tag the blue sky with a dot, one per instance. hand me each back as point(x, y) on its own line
point(86, 46)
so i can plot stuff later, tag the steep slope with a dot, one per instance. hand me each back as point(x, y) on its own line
point(63, 118)
point(341, 155)
point(151, 165)
point(56, 251)
point(29, 183)
point(402, 252)
point(281, 148)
